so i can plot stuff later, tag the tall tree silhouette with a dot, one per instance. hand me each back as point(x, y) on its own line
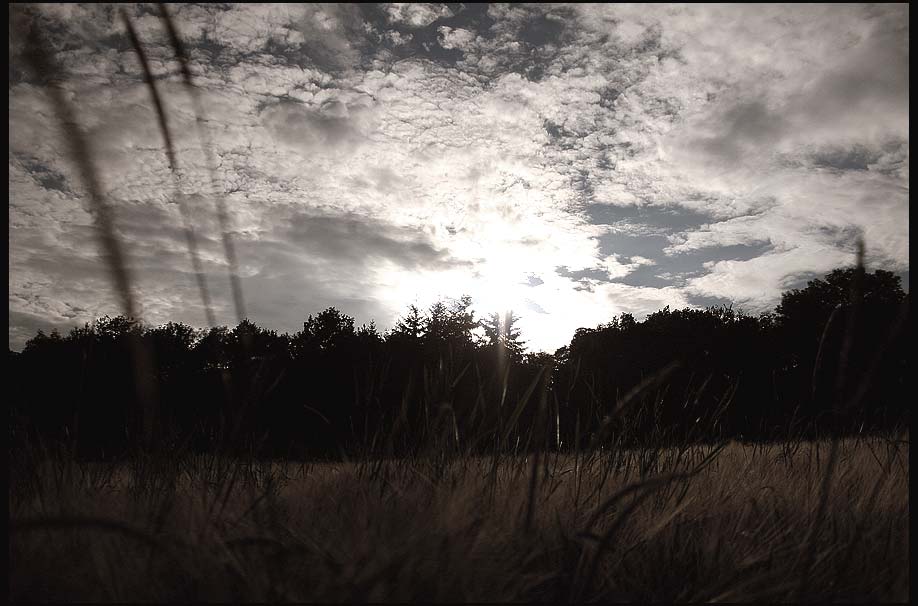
point(411, 325)
point(503, 335)
point(813, 324)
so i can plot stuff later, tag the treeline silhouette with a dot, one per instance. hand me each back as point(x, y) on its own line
point(830, 359)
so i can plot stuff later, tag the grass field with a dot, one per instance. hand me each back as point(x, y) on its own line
point(740, 523)
point(788, 522)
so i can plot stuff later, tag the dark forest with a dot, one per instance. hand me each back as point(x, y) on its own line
point(822, 362)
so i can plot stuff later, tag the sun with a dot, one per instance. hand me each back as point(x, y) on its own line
point(501, 286)
point(497, 284)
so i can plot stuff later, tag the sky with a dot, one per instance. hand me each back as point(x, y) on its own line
point(567, 162)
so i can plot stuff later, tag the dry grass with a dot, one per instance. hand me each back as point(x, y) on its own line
point(786, 522)
point(455, 531)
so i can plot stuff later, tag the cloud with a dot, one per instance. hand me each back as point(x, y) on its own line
point(454, 38)
point(361, 240)
point(616, 269)
point(306, 130)
point(415, 14)
point(376, 157)
point(756, 284)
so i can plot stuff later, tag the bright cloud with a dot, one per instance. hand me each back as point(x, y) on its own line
point(567, 162)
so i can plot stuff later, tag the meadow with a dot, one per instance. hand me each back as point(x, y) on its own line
point(800, 519)
point(780, 522)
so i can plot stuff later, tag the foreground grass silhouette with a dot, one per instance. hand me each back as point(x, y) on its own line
point(469, 529)
point(795, 521)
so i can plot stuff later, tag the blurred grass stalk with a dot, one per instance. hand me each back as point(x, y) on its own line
point(43, 66)
point(223, 216)
point(80, 151)
point(163, 121)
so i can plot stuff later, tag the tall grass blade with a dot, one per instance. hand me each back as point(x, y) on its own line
point(855, 298)
point(536, 381)
point(80, 151)
point(621, 405)
point(43, 67)
point(162, 118)
point(206, 145)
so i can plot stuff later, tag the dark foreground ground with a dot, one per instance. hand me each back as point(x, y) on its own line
point(784, 522)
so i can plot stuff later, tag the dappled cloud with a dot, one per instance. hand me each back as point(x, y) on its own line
point(567, 162)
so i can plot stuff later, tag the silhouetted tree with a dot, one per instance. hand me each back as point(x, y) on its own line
point(503, 336)
point(838, 314)
point(324, 331)
point(411, 326)
point(678, 375)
